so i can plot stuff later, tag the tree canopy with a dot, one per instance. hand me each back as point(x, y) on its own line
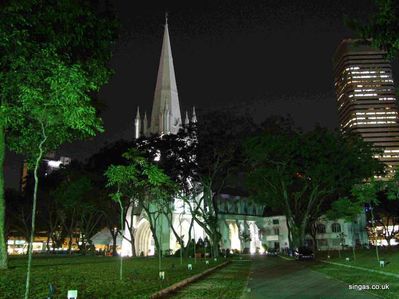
point(382, 28)
point(300, 174)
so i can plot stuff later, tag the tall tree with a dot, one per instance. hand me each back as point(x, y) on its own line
point(97, 165)
point(143, 183)
point(176, 155)
point(298, 173)
point(220, 161)
point(55, 57)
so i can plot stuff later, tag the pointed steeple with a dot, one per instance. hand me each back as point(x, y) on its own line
point(137, 124)
point(138, 112)
point(194, 117)
point(145, 125)
point(166, 92)
point(186, 120)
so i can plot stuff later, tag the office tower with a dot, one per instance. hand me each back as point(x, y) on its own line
point(366, 97)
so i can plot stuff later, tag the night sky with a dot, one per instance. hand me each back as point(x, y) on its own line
point(266, 57)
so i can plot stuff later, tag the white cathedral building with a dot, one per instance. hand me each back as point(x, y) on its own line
point(241, 222)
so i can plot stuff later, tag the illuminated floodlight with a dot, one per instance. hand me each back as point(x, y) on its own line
point(54, 164)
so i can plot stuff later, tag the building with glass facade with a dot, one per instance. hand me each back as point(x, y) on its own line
point(366, 97)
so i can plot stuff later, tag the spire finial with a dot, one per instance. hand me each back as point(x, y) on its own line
point(166, 18)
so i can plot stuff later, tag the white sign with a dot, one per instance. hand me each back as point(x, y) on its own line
point(272, 238)
point(72, 294)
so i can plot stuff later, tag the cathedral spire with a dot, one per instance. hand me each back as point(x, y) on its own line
point(137, 128)
point(187, 120)
point(194, 117)
point(145, 125)
point(166, 92)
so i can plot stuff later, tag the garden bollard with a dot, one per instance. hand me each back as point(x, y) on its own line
point(162, 275)
point(190, 267)
point(72, 294)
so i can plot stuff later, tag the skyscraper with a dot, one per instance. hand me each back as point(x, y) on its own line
point(366, 97)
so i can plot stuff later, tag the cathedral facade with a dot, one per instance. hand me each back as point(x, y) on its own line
point(241, 222)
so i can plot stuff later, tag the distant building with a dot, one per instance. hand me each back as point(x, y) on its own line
point(48, 165)
point(366, 97)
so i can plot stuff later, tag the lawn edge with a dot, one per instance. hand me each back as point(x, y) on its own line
point(174, 287)
point(245, 289)
point(361, 268)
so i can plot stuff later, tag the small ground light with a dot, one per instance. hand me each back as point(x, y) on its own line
point(382, 264)
point(162, 275)
point(347, 259)
point(72, 294)
point(328, 256)
point(207, 262)
point(215, 259)
point(190, 267)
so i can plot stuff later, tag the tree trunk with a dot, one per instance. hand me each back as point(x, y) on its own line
point(152, 222)
point(375, 233)
point(48, 243)
point(114, 239)
point(132, 232)
point(186, 249)
point(70, 237)
point(215, 245)
point(37, 162)
point(3, 248)
point(122, 228)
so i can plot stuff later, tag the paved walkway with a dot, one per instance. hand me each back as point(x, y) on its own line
point(274, 277)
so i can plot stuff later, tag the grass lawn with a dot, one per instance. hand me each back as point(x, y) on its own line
point(229, 282)
point(94, 277)
point(365, 259)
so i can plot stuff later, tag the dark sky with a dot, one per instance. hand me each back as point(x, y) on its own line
point(267, 57)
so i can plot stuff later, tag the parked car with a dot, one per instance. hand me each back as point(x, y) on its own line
point(271, 252)
point(304, 253)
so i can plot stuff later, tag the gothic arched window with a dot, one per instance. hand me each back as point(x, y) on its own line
point(321, 228)
point(336, 228)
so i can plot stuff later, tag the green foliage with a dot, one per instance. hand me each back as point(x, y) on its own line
point(345, 208)
point(367, 192)
point(138, 177)
point(382, 27)
point(56, 102)
point(54, 56)
point(301, 174)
